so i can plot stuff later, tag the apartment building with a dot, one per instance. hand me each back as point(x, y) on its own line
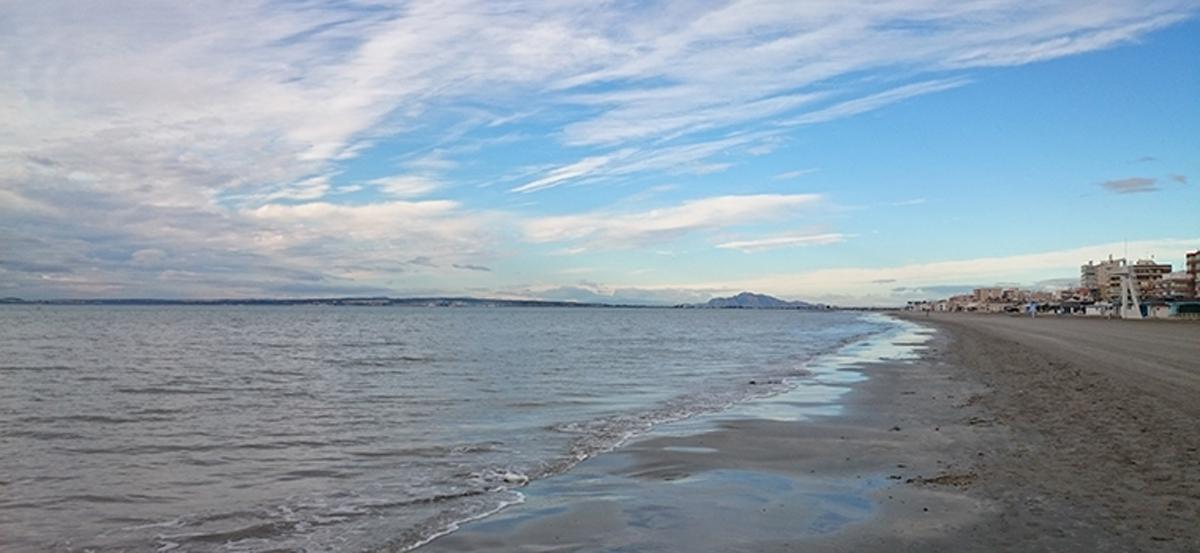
point(1099, 278)
point(1193, 271)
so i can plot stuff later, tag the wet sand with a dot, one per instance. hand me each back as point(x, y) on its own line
point(1102, 430)
point(1053, 437)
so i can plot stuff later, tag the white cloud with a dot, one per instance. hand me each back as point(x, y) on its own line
point(763, 244)
point(173, 106)
point(581, 168)
point(671, 113)
point(685, 158)
point(874, 101)
point(599, 230)
point(216, 130)
point(406, 186)
point(788, 175)
point(877, 285)
point(148, 256)
point(327, 235)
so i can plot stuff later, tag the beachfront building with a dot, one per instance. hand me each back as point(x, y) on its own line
point(1193, 271)
point(988, 295)
point(1176, 285)
point(1081, 294)
point(1100, 277)
point(1088, 279)
point(1172, 309)
point(1161, 292)
point(1146, 274)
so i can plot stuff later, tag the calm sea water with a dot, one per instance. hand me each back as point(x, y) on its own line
point(345, 429)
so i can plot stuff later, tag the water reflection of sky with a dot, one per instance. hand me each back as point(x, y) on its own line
point(829, 377)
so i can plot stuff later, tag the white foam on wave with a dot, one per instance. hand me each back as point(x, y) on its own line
point(518, 498)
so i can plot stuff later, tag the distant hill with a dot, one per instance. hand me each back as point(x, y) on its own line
point(748, 300)
point(346, 301)
point(745, 300)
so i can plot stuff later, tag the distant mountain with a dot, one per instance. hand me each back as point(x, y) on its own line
point(347, 301)
point(745, 300)
point(748, 300)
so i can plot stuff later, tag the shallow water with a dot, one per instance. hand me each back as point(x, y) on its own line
point(634, 499)
point(334, 428)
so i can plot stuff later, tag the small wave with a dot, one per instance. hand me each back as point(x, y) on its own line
point(287, 444)
point(605, 434)
point(427, 500)
point(159, 448)
point(531, 404)
point(389, 361)
point(370, 344)
point(49, 435)
point(314, 473)
point(102, 419)
point(263, 530)
point(433, 452)
point(146, 449)
point(110, 499)
point(498, 478)
point(158, 390)
point(453, 526)
point(33, 368)
point(284, 527)
point(157, 411)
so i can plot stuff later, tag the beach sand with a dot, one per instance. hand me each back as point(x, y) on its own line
point(1009, 434)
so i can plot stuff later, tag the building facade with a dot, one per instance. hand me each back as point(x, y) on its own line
point(1177, 285)
point(1088, 278)
point(1147, 274)
point(987, 295)
point(1193, 271)
point(1100, 277)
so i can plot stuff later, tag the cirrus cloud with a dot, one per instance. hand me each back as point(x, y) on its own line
point(763, 244)
point(603, 230)
point(225, 133)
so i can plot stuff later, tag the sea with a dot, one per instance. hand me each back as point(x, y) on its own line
point(327, 428)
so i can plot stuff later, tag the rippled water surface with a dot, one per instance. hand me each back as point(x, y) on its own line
point(344, 428)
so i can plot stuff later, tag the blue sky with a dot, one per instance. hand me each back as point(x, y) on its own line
point(625, 151)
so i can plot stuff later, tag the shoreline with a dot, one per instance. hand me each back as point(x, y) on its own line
point(989, 441)
point(770, 389)
point(725, 458)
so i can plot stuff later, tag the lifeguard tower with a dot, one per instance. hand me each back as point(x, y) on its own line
point(1131, 305)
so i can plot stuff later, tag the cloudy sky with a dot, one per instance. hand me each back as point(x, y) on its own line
point(849, 152)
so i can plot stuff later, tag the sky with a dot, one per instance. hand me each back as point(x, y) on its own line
point(856, 153)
